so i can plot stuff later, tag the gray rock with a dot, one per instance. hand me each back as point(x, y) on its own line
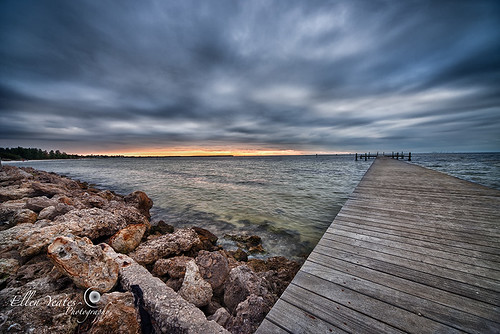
point(24, 216)
point(214, 268)
point(87, 265)
point(242, 282)
point(181, 240)
point(141, 201)
point(221, 316)
point(249, 315)
point(194, 288)
point(37, 204)
point(49, 189)
point(52, 212)
point(169, 312)
point(16, 192)
point(174, 267)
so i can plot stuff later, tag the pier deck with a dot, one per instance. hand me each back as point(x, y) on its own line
point(412, 250)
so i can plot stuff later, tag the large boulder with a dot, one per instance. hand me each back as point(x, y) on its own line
point(181, 240)
point(52, 212)
point(194, 288)
point(128, 238)
point(37, 204)
point(87, 265)
point(14, 192)
point(118, 315)
point(141, 201)
point(24, 216)
point(214, 268)
point(49, 189)
point(160, 306)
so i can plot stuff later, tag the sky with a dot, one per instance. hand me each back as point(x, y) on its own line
point(169, 77)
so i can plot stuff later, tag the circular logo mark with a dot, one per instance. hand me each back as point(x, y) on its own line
point(91, 297)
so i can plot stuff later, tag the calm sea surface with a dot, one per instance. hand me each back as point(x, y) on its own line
point(289, 201)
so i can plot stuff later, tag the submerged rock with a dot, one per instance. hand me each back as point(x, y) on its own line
point(181, 240)
point(194, 288)
point(253, 243)
point(87, 265)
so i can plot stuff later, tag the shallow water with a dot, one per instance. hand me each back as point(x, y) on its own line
point(289, 201)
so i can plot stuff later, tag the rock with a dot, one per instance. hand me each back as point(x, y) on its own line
point(174, 267)
point(92, 223)
point(9, 208)
point(277, 271)
point(24, 216)
point(221, 316)
point(241, 283)
point(16, 192)
point(207, 238)
point(118, 315)
point(10, 175)
point(37, 204)
point(162, 228)
point(194, 288)
point(166, 310)
point(87, 265)
point(48, 189)
point(130, 214)
point(213, 267)
point(175, 283)
point(35, 268)
point(181, 240)
point(8, 268)
point(94, 201)
point(239, 255)
point(249, 315)
point(43, 318)
point(52, 212)
point(128, 238)
point(252, 243)
point(141, 201)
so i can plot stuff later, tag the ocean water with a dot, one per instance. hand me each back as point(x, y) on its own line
point(289, 201)
point(482, 168)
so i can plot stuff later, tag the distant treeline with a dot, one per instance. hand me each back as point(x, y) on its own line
point(21, 153)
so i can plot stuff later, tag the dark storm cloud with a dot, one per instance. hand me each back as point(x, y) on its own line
point(306, 75)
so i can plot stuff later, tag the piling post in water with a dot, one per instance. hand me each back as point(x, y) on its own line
point(356, 156)
point(397, 155)
point(366, 157)
point(409, 156)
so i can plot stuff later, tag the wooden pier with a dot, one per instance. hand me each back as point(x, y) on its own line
point(412, 250)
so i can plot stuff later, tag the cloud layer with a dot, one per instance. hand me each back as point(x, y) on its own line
point(325, 76)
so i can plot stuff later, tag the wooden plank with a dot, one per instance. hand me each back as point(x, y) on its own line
point(268, 327)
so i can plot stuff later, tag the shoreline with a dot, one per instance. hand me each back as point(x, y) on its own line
point(64, 237)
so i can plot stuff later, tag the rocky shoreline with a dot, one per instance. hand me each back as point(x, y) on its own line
point(76, 259)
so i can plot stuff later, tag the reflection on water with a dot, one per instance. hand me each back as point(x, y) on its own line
point(288, 201)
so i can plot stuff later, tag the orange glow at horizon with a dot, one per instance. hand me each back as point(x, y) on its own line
point(203, 152)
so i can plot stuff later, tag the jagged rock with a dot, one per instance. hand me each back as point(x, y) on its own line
point(118, 315)
point(249, 315)
point(9, 208)
point(87, 265)
point(221, 316)
point(278, 271)
point(94, 201)
point(166, 311)
point(35, 268)
point(207, 238)
point(214, 268)
point(141, 201)
point(48, 189)
point(162, 228)
point(128, 238)
point(239, 255)
point(181, 240)
point(42, 318)
point(241, 283)
point(174, 267)
point(194, 288)
point(131, 215)
point(37, 204)
point(24, 216)
point(175, 283)
point(92, 223)
point(52, 212)
point(8, 268)
point(16, 192)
